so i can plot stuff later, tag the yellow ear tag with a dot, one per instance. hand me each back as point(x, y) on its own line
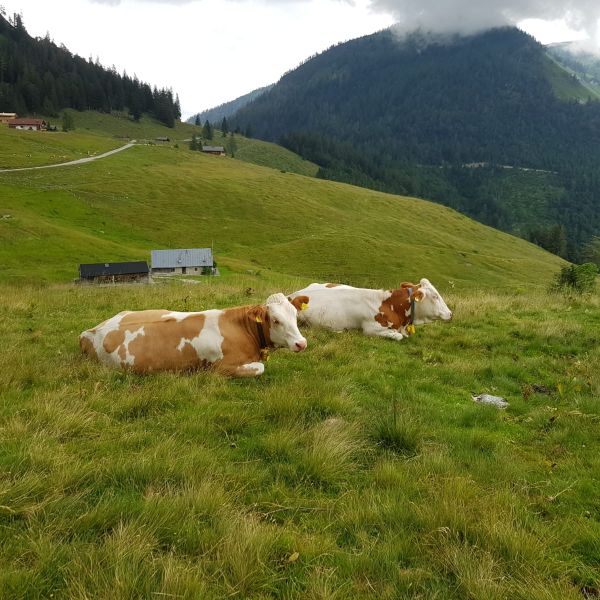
point(303, 306)
point(264, 354)
point(417, 299)
point(410, 329)
point(258, 320)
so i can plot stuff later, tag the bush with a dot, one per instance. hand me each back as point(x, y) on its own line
point(576, 278)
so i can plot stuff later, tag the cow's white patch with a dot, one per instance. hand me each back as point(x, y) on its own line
point(208, 343)
point(97, 338)
point(179, 316)
point(258, 367)
point(129, 337)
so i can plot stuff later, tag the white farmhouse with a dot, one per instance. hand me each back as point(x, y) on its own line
point(186, 261)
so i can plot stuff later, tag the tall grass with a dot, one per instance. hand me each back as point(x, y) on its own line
point(359, 469)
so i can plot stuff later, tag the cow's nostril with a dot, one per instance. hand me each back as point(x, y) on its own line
point(301, 345)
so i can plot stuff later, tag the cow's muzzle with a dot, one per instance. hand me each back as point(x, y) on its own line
point(300, 345)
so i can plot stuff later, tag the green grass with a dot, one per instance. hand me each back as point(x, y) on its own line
point(358, 469)
point(121, 125)
point(257, 218)
point(586, 90)
point(95, 133)
point(266, 154)
point(34, 148)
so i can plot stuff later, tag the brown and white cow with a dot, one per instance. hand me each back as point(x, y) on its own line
point(233, 341)
point(383, 313)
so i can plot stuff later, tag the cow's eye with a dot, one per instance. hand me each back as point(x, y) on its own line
point(276, 321)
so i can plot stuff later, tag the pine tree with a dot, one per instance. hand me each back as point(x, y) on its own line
point(207, 131)
point(197, 122)
point(68, 122)
point(224, 127)
point(231, 145)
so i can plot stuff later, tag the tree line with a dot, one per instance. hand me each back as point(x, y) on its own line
point(39, 77)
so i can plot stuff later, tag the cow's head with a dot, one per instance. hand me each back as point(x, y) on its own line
point(283, 322)
point(429, 305)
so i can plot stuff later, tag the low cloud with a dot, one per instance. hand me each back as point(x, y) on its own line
point(466, 16)
point(461, 16)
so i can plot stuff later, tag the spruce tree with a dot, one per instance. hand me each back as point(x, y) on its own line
point(207, 131)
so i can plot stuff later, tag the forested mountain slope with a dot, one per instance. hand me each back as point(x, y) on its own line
point(403, 114)
point(218, 113)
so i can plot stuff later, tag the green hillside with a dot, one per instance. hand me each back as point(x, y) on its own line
point(162, 196)
point(583, 65)
point(565, 84)
point(96, 132)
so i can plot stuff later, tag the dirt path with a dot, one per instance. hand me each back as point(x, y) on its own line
point(79, 161)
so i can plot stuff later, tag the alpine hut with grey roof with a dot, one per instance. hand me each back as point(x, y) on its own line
point(216, 150)
point(184, 261)
point(115, 272)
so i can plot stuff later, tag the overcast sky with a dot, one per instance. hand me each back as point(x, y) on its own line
point(212, 51)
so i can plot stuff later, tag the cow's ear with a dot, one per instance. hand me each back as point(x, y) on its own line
point(260, 314)
point(407, 284)
point(300, 302)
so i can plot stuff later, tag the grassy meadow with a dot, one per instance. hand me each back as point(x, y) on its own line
point(358, 469)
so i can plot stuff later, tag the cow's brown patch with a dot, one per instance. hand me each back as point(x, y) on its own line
point(162, 346)
point(330, 285)
point(392, 312)
point(298, 301)
point(87, 347)
point(241, 340)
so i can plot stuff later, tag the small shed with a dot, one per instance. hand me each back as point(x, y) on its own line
point(30, 124)
point(116, 272)
point(5, 117)
point(162, 138)
point(184, 261)
point(216, 150)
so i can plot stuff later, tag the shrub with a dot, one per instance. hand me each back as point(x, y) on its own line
point(576, 278)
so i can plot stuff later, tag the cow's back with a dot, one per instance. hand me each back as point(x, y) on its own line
point(156, 340)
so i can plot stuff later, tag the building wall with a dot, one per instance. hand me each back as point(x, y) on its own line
point(179, 271)
point(117, 279)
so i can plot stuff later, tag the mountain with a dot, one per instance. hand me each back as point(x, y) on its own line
point(437, 117)
point(227, 109)
point(39, 77)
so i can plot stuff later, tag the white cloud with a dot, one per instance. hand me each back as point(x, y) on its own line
point(466, 16)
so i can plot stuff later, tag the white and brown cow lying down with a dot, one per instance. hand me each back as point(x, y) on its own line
point(233, 341)
point(384, 313)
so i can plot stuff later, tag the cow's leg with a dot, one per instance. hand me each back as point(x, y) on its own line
point(373, 328)
point(252, 369)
